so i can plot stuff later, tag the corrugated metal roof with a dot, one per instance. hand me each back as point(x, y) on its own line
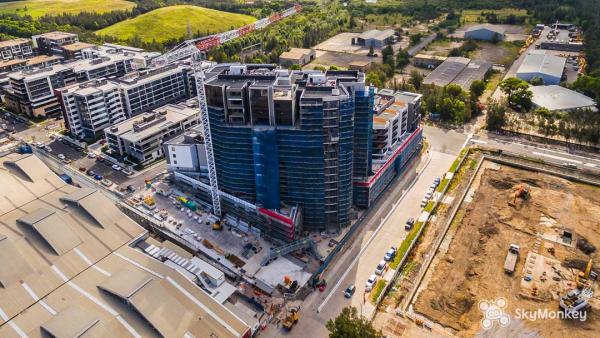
point(543, 64)
point(557, 98)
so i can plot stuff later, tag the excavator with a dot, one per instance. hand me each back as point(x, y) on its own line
point(522, 192)
point(583, 278)
point(577, 299)
point(291, 318)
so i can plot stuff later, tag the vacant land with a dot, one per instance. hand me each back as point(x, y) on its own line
point(172, 22)
point(478, 15)
point(38, 8)
point(441, 47)
point(470, 269)
point(503, 53)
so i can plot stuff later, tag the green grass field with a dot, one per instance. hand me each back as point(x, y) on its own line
point(474, 15)
point(171, 22)
point(38, 8)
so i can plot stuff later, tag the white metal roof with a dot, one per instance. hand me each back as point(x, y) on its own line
point(543, 64)
point(557, 98)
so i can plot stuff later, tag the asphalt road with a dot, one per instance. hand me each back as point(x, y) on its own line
point(358, 262)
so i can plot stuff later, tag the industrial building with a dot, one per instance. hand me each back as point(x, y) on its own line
point(428, 61)
point(140, 139)
point(51, 43)
point(557, 98)
point(562, 37)
point(32, 92)
point(73, 264)
point(486, 32)
point(149, 89)
point(360, 65)
point(458, 70)
point(548, 67)
point(375, 38)
point(292, 147)
point(297, 56)
point(90, 107)
point(15, 49)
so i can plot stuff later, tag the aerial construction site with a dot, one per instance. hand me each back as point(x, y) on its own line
point(528, 237)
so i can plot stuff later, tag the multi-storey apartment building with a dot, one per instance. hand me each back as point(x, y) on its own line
point(90, 107)
point(149, 89)
point(51, 43)
point(140, 58)
point(32, 92)
point(140, 139)
point(15, 49)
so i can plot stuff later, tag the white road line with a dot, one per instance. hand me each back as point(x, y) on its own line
point(478, 141)
point(557, 157)
point(12, 324)
point(467, 140)
point(591, 165)
point(551, 151)
point(37, 299)
point(364, 248)
point(88, 262)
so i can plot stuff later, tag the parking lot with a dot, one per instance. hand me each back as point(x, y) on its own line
point(79, 160)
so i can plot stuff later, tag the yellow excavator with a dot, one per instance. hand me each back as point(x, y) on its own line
point(583, 278)
point(291, 318)
point(522, 192)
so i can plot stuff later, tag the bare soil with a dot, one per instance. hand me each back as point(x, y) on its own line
point(472, 268)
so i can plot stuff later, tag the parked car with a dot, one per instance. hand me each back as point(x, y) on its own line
point(61, 156)
point(48, 149)
point(116, 167)
point(380, 267)
point(371, 282)
point(349, 291)
point(390, 254)
point(437, 180)
point(67, 161)
point(409, 224)
point(106, 182)
point(91, 155)
point(130, 188)
point(424, 202)
point(82, 169)
point(98, 177)
point(99, 158)
point(127, 172)
point(90, 173)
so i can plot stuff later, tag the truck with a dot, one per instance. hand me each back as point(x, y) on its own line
point(511, 259)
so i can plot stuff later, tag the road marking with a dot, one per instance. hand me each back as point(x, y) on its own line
point(557, 157)
point(547, 150)
point(478, 141)
point(467, 140)
point(591, 165)
point(364, 248)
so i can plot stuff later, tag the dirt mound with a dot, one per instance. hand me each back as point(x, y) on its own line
point(584, 245)
point(501, 184)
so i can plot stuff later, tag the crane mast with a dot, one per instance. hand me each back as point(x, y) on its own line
point(194, 49)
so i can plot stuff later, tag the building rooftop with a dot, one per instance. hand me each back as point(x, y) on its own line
point(544, 64)
point(377, 34)
point(70, 265)
point(135, 79)
point(430, 57)
point(475, 70)
point(151, 123)
point(77, 66)
point(445, 73)
point(489, 27)
point(296, 53)
point(56, 35)
point(13, 42)
point(90, 87)
point(77, 46)
point(557, 98)
point(36, 60)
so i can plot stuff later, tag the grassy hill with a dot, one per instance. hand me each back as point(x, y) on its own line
point(38, 8)
point(171, 22)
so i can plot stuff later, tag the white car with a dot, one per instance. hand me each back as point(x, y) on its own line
point(61, 156)
point(380, 268)
point(91, 155)
point(116, 167)
point(390, 254)
point(371, 282)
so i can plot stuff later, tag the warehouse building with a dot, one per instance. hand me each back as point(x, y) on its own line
point(557, 98)
point(73, 265)
point(375, 38)
point(486, 32)
point(141, 138)
point(458, 70)
point(548, 67)
point(428, 61)
point(297, 56)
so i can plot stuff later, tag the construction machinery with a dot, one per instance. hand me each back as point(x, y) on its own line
point(511, 259)
point(187, 203)
point(291, 318)
point(522, 192)
point(196, 50)
point(583, 278)
point(577, 300)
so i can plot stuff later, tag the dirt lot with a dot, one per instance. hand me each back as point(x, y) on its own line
point(503, 53)
point(471, 270)
point(441, 47)
point(338, 59)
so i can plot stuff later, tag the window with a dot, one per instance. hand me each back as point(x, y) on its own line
point(174, 155)
point(174, 162)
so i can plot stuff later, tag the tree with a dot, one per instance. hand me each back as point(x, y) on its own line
point(416, 78)
point(402, 59)
point(496, 115)
point(319, 67)
point(350, 325)
point(295, 67)
point(517, 90)
point(371, 51)
point(477, 88)
point(537, 81)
